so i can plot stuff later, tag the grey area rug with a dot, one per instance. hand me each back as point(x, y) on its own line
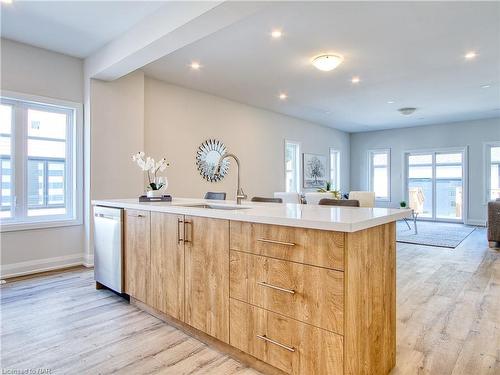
point(433, 234)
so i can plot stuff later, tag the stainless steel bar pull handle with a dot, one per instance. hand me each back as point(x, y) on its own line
point(186, 222)
point(265, 338)
point(276, 242)
point(179, 238)
point(263, 283)
point(106, 216)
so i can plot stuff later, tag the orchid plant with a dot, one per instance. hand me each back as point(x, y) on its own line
point(151, 168)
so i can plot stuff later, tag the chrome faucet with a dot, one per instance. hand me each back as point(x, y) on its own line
point(240, 195)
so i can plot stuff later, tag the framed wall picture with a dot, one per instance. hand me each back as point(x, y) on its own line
point(314, 170)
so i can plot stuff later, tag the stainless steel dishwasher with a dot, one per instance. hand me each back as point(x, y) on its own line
point(108, 245)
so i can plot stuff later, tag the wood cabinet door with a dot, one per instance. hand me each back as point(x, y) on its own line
point(136, 253)
point(207, 275)
point(166, 291)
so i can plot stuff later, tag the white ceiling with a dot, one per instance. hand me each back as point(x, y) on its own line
point(76, 28)
point(408, 52)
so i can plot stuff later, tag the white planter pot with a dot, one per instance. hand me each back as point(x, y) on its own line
point(154, 193)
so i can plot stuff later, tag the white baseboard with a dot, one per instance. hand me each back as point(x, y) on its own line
point(40, 265)
point(479, 223)
point(88, 260)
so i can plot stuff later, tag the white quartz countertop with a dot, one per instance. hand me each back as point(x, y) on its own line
point(341, 219)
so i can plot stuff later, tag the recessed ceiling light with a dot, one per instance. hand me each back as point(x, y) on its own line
point(283, 96)
point(327, 62)
point(276, 34)
point(195, 65)
point(355, 80)
point(470, 55)
point(390, 102)
point(407, 110)
point(6, 1)
point(485, 86)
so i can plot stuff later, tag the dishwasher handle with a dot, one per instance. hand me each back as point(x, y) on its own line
point(107, 217)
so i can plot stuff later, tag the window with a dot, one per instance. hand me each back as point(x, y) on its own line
point(379, 173)
point(335, 169)
point(492, 170)
point(292, 166)
point(39, 147)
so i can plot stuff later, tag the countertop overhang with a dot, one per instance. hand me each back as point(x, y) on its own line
point(341, 219)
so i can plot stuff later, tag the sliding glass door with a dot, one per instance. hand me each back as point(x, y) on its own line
point(435, 184)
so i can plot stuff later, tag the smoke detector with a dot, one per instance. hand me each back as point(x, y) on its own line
point(407, 110)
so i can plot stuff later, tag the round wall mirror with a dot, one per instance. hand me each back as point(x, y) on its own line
point(207, 157)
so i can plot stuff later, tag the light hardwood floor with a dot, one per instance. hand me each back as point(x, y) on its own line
point(448, 322)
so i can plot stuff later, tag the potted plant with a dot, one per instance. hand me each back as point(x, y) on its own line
point(335, 193)
point(155, 183)
point(402, 204)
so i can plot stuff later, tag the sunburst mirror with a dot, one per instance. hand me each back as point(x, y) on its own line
point(207, 157)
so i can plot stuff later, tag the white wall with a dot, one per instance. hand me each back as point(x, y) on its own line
point(36, 71)
point(472, 134)
point(178, 120)
point(117, 132)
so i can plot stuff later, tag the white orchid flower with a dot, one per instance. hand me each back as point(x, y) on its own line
point(150, 163)
point(161, 165)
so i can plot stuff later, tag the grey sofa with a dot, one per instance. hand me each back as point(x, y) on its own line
point(494, 222)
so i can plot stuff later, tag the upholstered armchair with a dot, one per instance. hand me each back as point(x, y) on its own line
point(365, 198)
point(494, 222)
point(287, 197)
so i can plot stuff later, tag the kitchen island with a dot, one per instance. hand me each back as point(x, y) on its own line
point(285, 288)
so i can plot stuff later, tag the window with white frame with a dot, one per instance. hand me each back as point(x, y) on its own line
point(492, 153)
point(292, 166)
point(39, 163)
point(335, 169)
point(379, 173)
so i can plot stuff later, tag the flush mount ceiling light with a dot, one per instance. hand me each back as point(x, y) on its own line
point(6, 1)
point(327, 62)
point(407, 111)
point(283, 96)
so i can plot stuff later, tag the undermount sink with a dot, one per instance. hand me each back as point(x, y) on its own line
point(215, 206)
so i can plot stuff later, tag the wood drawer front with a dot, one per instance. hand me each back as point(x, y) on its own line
point(308, 246)
point(310, 294)
point(315, 351)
